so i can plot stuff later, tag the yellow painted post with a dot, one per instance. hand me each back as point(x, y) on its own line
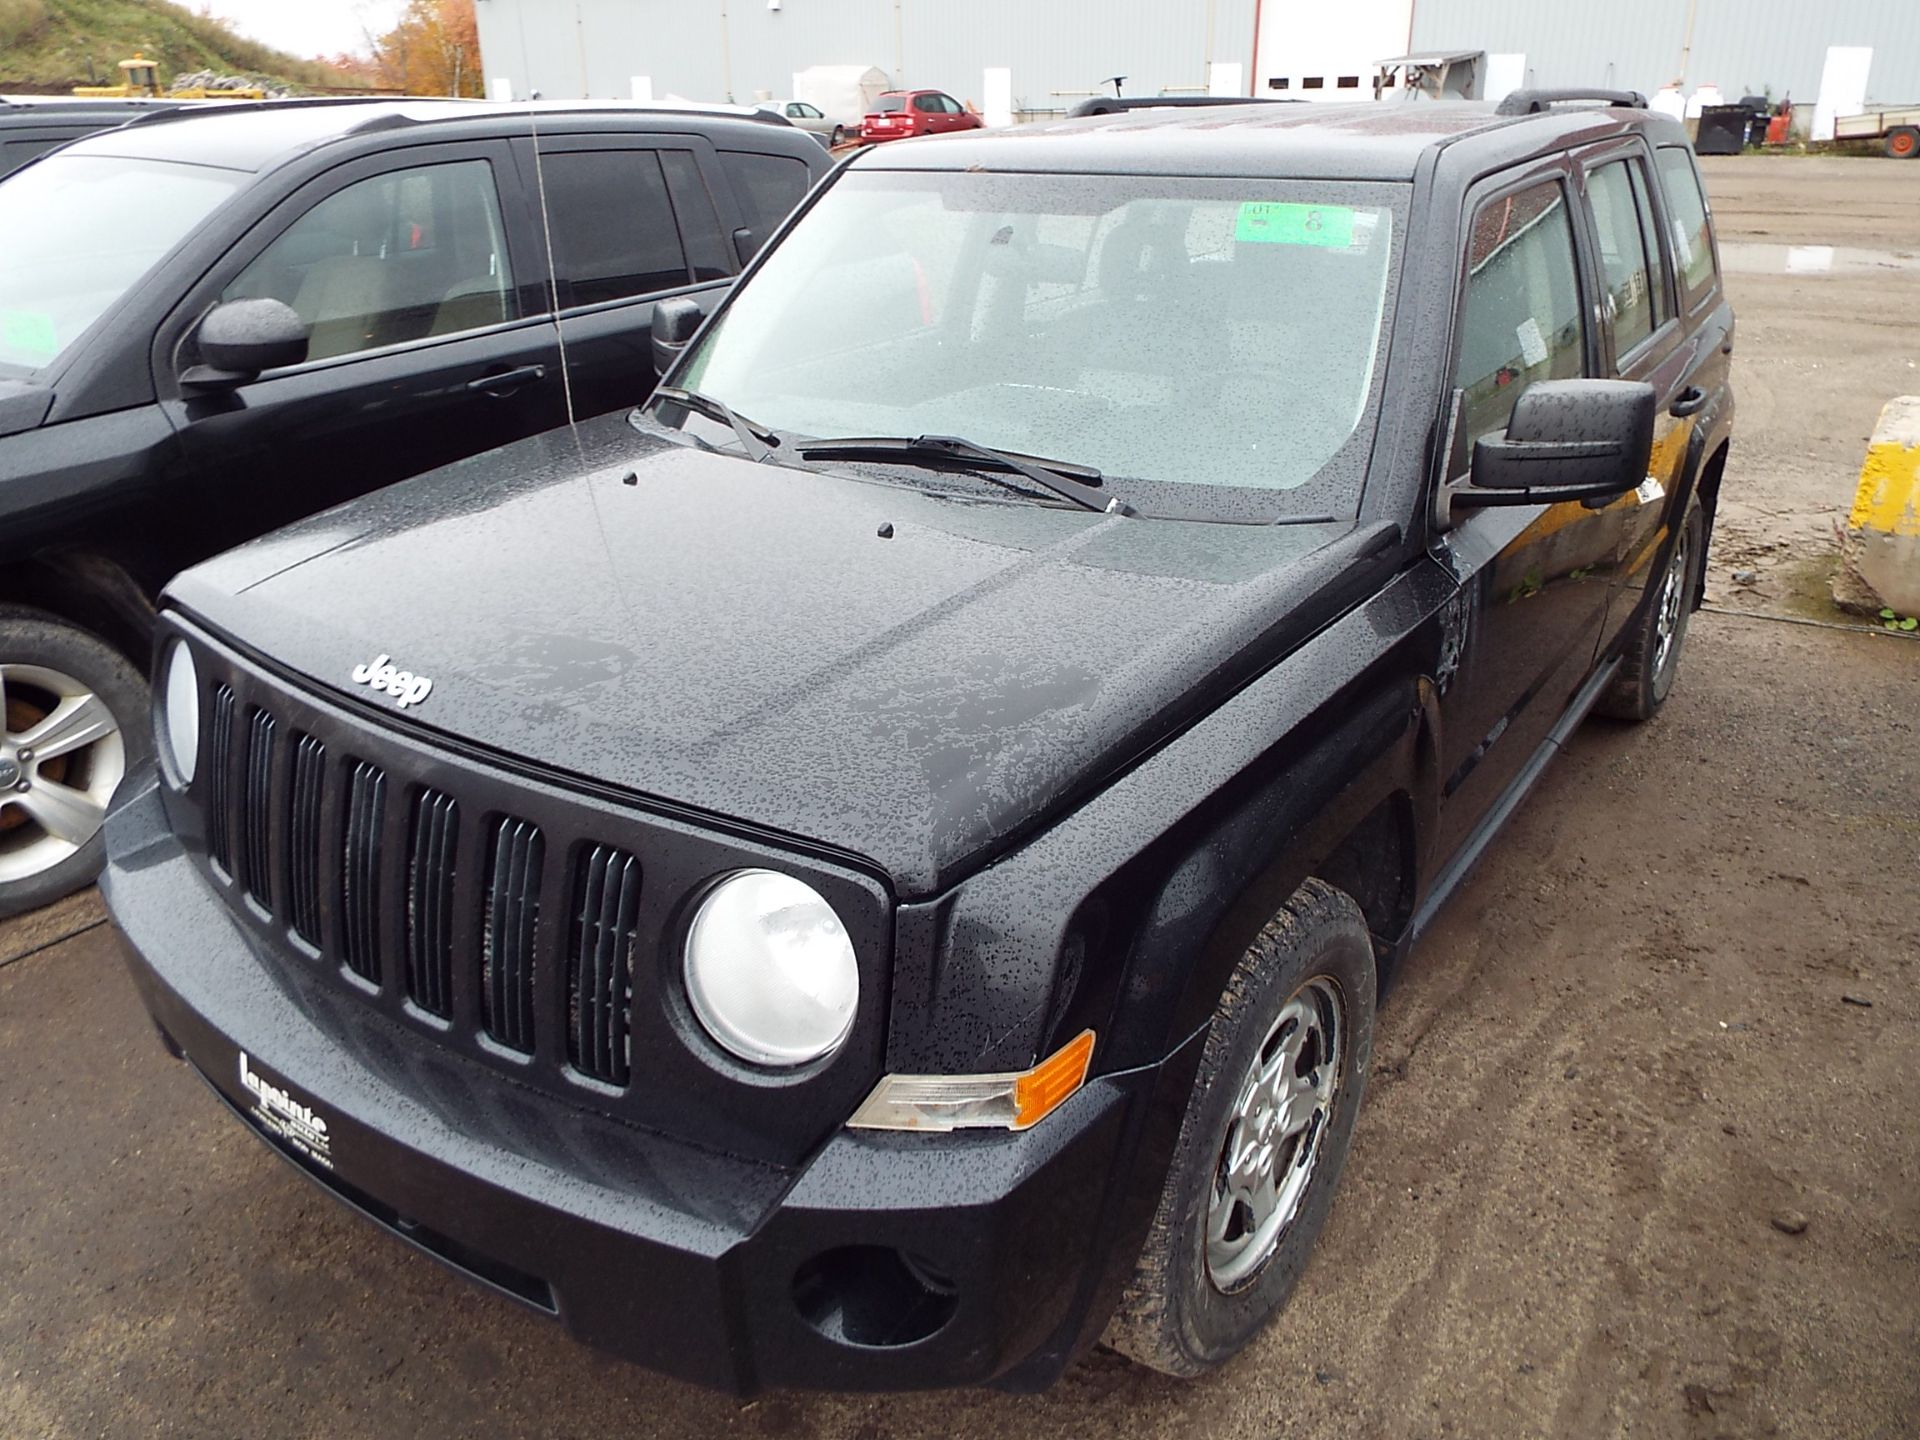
point(1884, 524)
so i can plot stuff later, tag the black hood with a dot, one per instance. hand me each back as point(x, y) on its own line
point(742, 638)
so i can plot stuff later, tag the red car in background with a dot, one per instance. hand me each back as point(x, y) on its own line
point(900, 113)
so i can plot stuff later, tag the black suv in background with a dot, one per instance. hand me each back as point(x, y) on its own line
point(877, 871)
point(217, 320)
point(31, 125)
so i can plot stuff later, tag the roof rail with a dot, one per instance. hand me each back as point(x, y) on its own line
point(1115, 105)
point(1539, 102)
point(230, 107)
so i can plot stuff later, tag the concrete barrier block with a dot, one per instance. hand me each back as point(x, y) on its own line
point(1885, 521)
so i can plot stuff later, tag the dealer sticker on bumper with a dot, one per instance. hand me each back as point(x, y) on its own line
point(288, 1119)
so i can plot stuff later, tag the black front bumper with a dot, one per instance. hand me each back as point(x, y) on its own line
point(887, 1261)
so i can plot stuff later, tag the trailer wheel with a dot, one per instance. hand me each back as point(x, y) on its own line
point(1903, 142)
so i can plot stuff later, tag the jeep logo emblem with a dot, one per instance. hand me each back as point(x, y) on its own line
point(405, 686)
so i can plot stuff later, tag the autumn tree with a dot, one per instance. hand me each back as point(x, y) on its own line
point(434, 50)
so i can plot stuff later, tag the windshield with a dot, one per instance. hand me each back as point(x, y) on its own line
point(78, 231)
point(1219, 336)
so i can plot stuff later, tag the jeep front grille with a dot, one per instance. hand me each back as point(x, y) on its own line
point(408, 890)
point(371, 868)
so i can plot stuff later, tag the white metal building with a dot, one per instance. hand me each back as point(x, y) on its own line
point(1058, 51)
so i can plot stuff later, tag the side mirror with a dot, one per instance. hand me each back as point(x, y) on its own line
point(1567, 440)
point(674, 323)
point(241, 338)
point(747, 242)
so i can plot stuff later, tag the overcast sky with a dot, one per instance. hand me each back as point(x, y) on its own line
point(307, 27)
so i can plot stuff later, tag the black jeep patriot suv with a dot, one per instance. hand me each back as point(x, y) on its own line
point(876, 870)
point(217, 320)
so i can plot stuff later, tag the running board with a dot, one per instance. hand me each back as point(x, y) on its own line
point(1490, 824)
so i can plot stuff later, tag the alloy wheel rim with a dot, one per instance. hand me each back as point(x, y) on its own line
point(1673, 592)
point(1275, 1134)
point(62, 755)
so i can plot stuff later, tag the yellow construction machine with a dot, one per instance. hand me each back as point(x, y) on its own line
point(140, 79)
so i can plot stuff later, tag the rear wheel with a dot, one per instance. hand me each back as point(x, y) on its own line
point(75, 723)
point(839, 135)
point(1653, 655)
point(1264, 1136)
point(1903, 142)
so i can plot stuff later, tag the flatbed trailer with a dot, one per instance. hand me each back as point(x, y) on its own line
point(1898, 129)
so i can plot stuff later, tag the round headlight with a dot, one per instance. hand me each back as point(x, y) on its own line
point(770, 970)
point(180, 691)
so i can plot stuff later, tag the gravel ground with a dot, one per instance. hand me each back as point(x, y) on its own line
point(1639, 1156)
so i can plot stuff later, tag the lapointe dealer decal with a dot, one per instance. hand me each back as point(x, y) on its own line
point(282, 1116)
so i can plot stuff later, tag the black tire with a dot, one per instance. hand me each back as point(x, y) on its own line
point(839, 135)
point(1903, 142)
point(1174, 1317)
point(34, 638)
point(1646, 675)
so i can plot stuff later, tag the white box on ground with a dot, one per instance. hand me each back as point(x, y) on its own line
point(641, 86)
point(500, 89)
point(1843, 86)
point(1226, 77)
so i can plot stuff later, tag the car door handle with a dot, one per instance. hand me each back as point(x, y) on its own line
point(1690, 401)
point(506, 381)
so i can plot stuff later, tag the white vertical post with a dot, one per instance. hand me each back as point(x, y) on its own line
point(996, 96)
point(1505, 74)
point(1843, 86)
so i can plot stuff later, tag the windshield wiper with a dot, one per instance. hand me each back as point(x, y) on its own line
point(756, 440)
point(1078, 483)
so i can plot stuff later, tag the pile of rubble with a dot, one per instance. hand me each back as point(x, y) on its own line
point(209, 80)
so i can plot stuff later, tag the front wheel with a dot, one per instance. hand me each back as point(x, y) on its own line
point(75, 724)
point(1265, 1133)
point(1652, 657)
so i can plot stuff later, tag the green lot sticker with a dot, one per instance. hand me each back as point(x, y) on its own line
point(28, 331)
point(1269, 222)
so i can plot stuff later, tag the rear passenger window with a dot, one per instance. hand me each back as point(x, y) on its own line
point(767, 186)
point(1521, 318)
point(612, 225)
point(699, 221)
point(1650, 236)
point(398, 257)
point(1687, 205)
point(1623, 255)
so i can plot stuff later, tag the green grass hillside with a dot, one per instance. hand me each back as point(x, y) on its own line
point(45, 45)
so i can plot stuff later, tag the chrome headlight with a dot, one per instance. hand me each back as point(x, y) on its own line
point(180, 707)
point(770, 970)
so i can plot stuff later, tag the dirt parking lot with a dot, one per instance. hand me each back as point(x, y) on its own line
point(1639, 1157)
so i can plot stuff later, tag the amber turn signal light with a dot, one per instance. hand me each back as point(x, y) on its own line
point(1016, 1100)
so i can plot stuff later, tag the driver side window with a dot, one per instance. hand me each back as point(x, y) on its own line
point(396, 257)
point(1521, 320)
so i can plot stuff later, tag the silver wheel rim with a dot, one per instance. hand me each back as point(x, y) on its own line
point(1275, 1134)
point(1673, 599)
point(61, 758)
